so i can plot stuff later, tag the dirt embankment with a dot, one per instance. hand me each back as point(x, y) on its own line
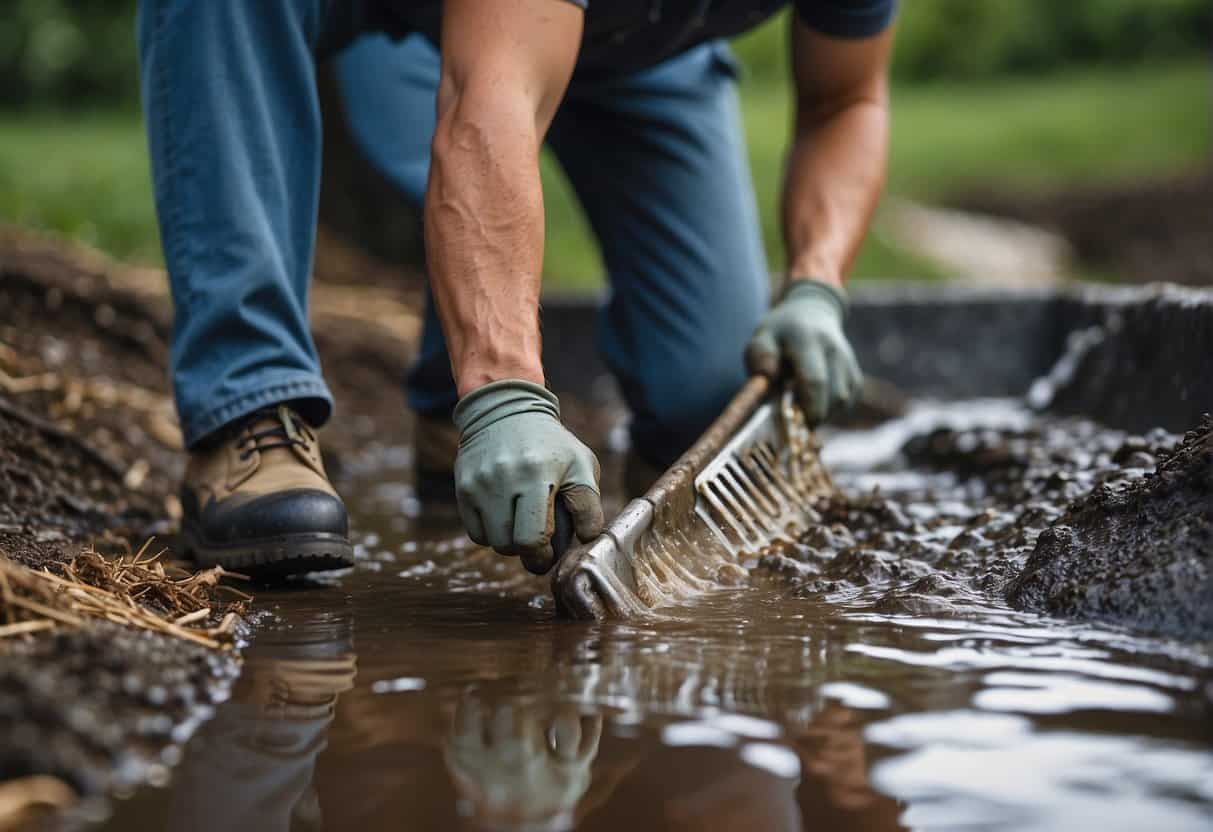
point(1148, 231)
point(107, 661)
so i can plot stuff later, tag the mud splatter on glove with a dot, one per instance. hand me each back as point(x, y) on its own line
point(515, 457)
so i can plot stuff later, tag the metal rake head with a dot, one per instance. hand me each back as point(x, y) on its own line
point(745, 483)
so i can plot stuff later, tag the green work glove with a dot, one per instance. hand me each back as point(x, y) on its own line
point(803, 334)
point(514, 458)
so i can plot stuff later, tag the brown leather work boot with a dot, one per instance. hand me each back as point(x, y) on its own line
point(257, 501)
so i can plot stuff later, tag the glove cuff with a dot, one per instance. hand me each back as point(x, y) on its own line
point(806, 287)
point(498, 400)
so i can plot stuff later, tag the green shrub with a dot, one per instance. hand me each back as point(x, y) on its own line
point(979, 39)
point(67, 53)
point(983, 38)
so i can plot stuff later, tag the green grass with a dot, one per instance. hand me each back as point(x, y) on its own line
point(86, 175)
point(1084, 127)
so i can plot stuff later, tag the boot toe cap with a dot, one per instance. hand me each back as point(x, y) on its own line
point(283, 514)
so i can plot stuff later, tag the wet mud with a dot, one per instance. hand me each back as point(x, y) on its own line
point(950, 516)
point(100, 707)
point(57, 491)
point(103, 707)
point(1140, 554)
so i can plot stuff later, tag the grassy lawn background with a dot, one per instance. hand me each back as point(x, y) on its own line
point(86, 174)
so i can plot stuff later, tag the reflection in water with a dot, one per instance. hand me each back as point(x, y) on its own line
point(253, 765)
point(519, 765)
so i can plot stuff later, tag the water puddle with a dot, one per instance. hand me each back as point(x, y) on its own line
point(432, 687)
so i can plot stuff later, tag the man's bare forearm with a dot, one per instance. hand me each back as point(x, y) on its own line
point(834, 177)
point(484, 237)
point(505, 66)
point(836, 164)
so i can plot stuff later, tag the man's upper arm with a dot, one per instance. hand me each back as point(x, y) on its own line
point(840, 52)
point(512, 49)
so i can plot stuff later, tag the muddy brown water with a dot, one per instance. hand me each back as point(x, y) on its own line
point(432, 687)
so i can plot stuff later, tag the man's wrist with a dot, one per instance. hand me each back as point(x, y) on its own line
point(476, 376)
point(821, 274)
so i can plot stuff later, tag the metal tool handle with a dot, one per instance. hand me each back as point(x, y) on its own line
point(688, 466)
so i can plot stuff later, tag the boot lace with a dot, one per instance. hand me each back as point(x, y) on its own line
point(287, 431)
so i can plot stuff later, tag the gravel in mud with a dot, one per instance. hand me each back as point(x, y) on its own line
point(953, 520)
point(102, 707)
point(97, 707)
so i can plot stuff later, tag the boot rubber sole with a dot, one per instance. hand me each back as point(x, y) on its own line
point(274, 557)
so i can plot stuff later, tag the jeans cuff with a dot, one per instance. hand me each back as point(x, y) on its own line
point(320, 407)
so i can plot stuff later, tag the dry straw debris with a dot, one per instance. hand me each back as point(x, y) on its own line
point(136, 590)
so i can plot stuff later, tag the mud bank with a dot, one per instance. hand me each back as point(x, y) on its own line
point(95, 704)
point(1139, 555)
point(1147, 230)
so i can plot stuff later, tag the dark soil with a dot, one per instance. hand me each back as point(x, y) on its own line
point(1139, 555)
point(55, 490)
point(88, 356)
point(1158, 230)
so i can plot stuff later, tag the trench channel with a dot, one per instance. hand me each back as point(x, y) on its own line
point(868, 677)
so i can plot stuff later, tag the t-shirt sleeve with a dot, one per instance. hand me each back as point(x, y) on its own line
point(847, 18)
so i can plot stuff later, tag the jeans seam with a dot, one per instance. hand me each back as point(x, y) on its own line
point(197, 427)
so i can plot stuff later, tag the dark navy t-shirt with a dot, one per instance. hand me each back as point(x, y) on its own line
point(627, 35)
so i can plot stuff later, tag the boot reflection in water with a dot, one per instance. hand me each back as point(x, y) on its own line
point(520, 766)
point(251, 767)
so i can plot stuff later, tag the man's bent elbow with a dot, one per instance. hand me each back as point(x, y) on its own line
point(478, 118)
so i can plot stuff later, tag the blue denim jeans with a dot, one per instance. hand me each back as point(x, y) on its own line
point(656, 159)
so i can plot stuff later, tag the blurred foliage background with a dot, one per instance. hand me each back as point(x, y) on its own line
point(1005, 95)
